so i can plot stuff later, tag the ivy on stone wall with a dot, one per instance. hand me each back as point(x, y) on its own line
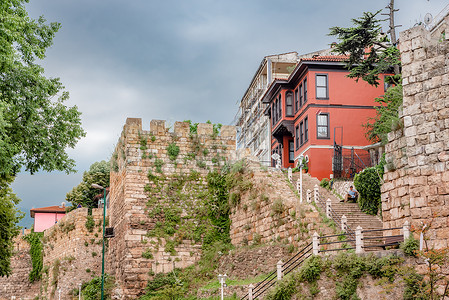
point(218, 207)
point(36, 253)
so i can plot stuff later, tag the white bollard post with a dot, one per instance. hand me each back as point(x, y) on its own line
point(279, 269)
point(309, 196)
point(316, 244)
point(406, 230)
point(250, 292)
point(290, 175)
point(222, 281)
point(315, 193)
point(344, 223)
point(359, 240)
point(298, 185)
point(328, 208)
point(79, 291)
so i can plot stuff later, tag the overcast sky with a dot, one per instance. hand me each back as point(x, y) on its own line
point(174, 60)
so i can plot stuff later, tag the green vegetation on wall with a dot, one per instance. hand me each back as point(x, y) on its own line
point(36, 253)
point(91, 290)
point(345, 270)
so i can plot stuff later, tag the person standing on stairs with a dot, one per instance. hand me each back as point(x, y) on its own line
point(351, 196)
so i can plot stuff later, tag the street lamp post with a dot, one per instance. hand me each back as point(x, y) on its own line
point(97, 186)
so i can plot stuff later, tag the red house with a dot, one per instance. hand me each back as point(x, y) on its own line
point(316, 109)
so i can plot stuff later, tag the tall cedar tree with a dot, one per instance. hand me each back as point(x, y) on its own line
point(371, 53)
point(35, 125)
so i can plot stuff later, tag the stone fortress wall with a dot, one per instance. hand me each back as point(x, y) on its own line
point(417, 170)
point(72, 253)
point(138, 152)
point(17, 283)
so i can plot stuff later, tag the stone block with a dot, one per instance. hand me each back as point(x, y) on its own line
point(157, 127)
point(205, 129)
point(182, 129)
point(418, 54)
point(410, 131)
point(416, 202)
point(406, 57)
point(228, 131)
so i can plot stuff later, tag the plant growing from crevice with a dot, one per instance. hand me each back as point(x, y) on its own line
point(172, 151)
point(90, 223)
point(36, 253)
point(158, 163)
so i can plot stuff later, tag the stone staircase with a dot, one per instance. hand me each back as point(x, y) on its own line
point(355, 217)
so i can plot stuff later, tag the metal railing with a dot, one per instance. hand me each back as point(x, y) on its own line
point(287, 267)
point(385, 241)
point(334, 216)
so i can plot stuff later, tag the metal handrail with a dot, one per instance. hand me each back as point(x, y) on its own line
point(334, 216)
point(263, 285)
point(383, 229)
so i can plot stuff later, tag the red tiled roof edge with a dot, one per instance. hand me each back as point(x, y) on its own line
point(327, 58)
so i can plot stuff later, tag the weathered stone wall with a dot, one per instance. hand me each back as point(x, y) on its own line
point(270, 212)
point(18, 284)
point(139, 151)
point(72, 254)
point(417, 169)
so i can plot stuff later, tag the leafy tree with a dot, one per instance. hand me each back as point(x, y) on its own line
point(84, 193)
point(370, 51)
point(9, 216)
point(35, 125)
point(387, 116)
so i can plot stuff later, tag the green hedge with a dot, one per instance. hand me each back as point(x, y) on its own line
point(368, 183)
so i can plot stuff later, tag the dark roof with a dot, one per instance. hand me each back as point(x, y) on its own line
point(49, 209)
point(100, 196)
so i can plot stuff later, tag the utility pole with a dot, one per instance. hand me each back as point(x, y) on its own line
point(392, 30)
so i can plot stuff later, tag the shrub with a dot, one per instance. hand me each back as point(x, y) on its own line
point(325, 183)
point(410, 246)
point(173, 151)
point(158, 163)
point(90, 223)
point(278, 206)
point(311, 269)
point(368, 183)
point(91, 290)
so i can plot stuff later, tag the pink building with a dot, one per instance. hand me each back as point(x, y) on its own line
point(45, 217)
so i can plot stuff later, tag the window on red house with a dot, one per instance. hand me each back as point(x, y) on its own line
point(301, 99)
point(306, 129)
point(301, 132)
point(321, 86)
point(296, 100)
point(322, 126)
point(291, 152)
point(297, 137)
point(305, 90)
point(289, 104)
point(280, 107)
